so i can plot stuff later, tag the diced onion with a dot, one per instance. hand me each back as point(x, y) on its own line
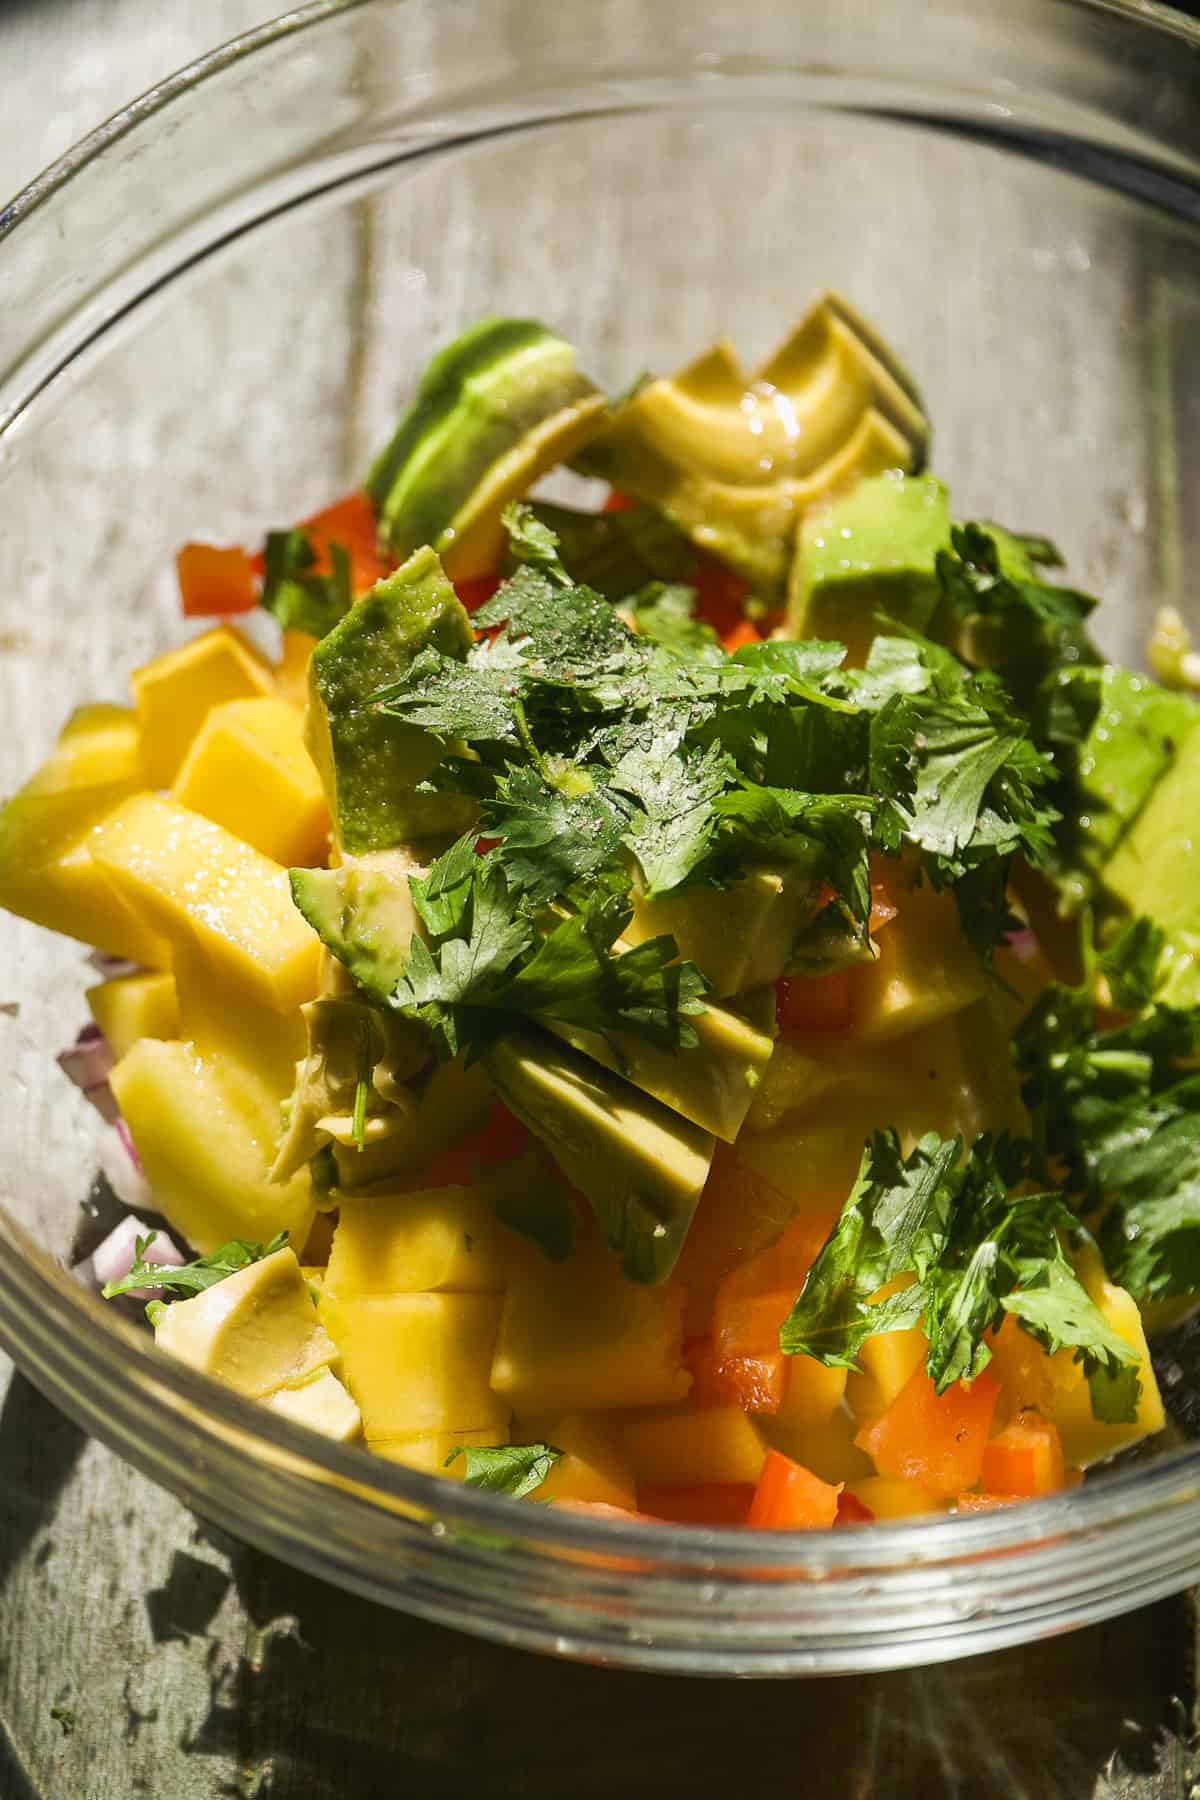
point(115, 1256)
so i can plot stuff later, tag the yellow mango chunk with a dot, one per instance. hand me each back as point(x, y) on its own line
point(220, 1019)
point(291, 671)
point(828, 1450)
point(98, 744)
point(428, 1451)
point(888, 1497)
point(173, 694)
point(257, 1331)
point(441, 1241)
point(886, 1362)
point(417, 1364)
point(593, 1465)
point(322, 1404)
point(719, 1443)
point(576, 1336)
point(205, 1127)
point(812, 1393)
point(248, 770)
point(135, 1006)
point(1086, 1440)
point(47, 875)
point(203, 889)
point(925, 969)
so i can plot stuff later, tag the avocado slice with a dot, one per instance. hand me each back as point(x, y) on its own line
point(1114, 735)
point(641, 1166)
point(363, 913)
point(741, 936)
point(712, 1084)
point(369, 763)
point(738, 459)
point(1155, 870)
point(450, 1103)
point(494, 410)
point(871, 550)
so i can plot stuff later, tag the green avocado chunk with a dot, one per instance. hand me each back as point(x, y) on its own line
point(449, 1104)
point(1114, 735)
point(494, 411)
point(870, 551)
point(641, 1166)
point(1155, 871)
point(741, 936)
point(363, 913)
point(737, 459)
point(712, 1084)
point(369, 763)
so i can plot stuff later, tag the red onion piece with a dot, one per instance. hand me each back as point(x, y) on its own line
point(88, 1063)
point(121, 1168)
point(114, 1258)
point(1024, 944)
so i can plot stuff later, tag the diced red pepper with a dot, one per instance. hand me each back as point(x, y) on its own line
point(936, 1439)
point(790, 1497)
point(708, 1503)
point(720, 596)
point(619, 502)
point(815, 1002)
point(755, 1383)
point(477, 590)
point(851, 1510)
point(744, 632)
point(350, 522)
point(499, 1139)
point(1024, 1459)
point(214, 582)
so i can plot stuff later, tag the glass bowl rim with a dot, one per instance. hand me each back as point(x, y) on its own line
point(1021, 1532)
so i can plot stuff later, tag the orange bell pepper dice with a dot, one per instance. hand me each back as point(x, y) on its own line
point(214, 582)
point(709, 1503)
point(936, 1439)
point(351, 523)
point(754, 1299)
point(851, 1511)
point(790, 1497)
point(1025, 1459)
point(755, 1383)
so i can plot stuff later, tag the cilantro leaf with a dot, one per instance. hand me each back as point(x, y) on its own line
point(531, 540)
point(674, 825)
point(666, 614)
point(300, 600)
point(1009, 618)
point(551, 837)
point(974, 1250)
point(466, 969)
point(194, 1277)
point(454, 698)
point(617, 553)
point(512, 1469)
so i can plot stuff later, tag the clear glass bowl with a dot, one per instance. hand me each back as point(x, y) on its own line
point(210, 312)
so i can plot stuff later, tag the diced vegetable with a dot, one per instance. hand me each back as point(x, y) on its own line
point(215, 581)
point(1025, 1458)
point(135, 1006)
point(791, 1498)
point(718, 1444)
point(935, 1439)
point(593, 1465)
point(248, 769)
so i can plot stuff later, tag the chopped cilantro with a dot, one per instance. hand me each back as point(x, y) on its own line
point(193, 1277)
point(300, 600)
point(512, 1469)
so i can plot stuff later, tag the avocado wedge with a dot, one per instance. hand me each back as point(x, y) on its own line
point(641, 1166)
point(738, 459)
point(363, 913)
point(740, 937)
point(369, 763)
point(494, 410)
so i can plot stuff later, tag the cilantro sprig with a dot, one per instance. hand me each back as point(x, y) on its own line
point(300, 599)
point(194, 1277)
point(961, 1245)
point(512, 1469)
point(1117, 1107)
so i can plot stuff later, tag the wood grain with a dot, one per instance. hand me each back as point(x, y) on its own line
point(185, 1668)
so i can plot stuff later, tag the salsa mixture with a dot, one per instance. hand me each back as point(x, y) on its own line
point(683, 1010)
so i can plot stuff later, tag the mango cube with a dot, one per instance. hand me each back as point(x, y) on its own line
point(257, 1330)
point(135, 1006)
point(430, 1452)
point(417, 1364)
point(291, 671)
point(201, 888)
point(593, 1466)
point(811, 1395)
point(47, 874)
point(205, 1127)
point(891, 1497)
point(248, 770)
point(441, 1241)
point(174, 693)
point(925, 969)
point(719, 1443)
point(576, 1336)
point(1086, 1440)
point(322, 1404)
point(98, 744)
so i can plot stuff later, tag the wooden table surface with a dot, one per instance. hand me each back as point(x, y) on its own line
point(140, 1656)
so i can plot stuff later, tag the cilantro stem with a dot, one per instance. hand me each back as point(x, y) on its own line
point(525, 739)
